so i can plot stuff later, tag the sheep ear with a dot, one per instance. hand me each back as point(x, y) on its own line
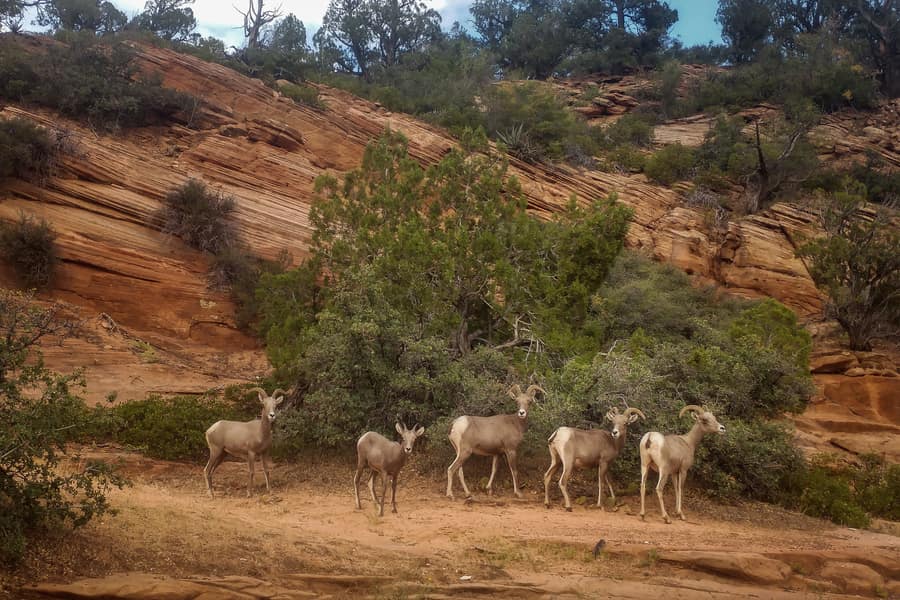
point(633, 418)
point(279, 400)
point(420, 431)
point(399, 428)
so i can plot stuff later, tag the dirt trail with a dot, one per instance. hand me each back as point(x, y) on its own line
point(169, 534)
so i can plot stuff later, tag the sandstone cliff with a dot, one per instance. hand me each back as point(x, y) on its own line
point(152, 322)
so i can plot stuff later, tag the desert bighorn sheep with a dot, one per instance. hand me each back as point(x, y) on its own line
point(578, 448)
point(384, 458)
point(490, 436)
point(245, 440)
point(674, 455)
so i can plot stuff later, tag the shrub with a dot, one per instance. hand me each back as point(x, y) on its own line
point(675, 344)
point(89, 80)
point(30, 248)
point(551, 127)
point(200, 217)
point(855, 262)
point(667, 84)
point(39, 414)
point(849, 494)
point(670, 164)
point(630, 129)
point(829, 496)
point(518, 143)
point(26, 150)
point(817, 70)
point(168, 428)
point(303, 94)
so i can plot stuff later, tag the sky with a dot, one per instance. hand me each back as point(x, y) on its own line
point(219, 18)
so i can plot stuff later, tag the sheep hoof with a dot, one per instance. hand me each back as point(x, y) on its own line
point(642, 517)
point(568, 509)
point(667, 520)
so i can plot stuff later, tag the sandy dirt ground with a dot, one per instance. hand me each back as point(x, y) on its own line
point(306, 539)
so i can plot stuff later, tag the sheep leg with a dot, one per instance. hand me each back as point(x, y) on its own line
point(394, 494)
point(564, 485)
point(644, 468)
point(601, 478)
point(679, 489)
point(456, 466)
point(356, 477)
point(251, 465)
point(490, 486)
point(462, 480)
point(660, 487)
point(266, 466)
point(216, 456)
point(383, 494)
point(612, 494)
point(372, 477)
point(551, 471)
point(511, 461)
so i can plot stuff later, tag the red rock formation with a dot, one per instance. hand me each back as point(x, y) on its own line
point(260, 147)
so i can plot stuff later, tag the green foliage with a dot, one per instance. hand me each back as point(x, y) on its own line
point(168, 428)
point(669, 80)
point(39, 414)
point(168, 19)
point(829, 496)
point(29, 246)
point(816, 70)
point(631, 128)
point(554, 130)
point(670, 164)
point(26, 150)
point(747, 27)
point(881, 182)
point(95, 16)
point(303, 94)
point(87, 80)
point(849, 494)
point(200, 216)
point(203, 219)
point(675, 345)
point(425, 287)
point(518, 143)
point(856, 263)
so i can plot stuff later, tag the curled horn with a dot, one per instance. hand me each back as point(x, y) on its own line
point(534, 388)
point(262, 393)
point(691, 407)
point(612, 412)
point(279, 390)
point(514, 391)
point(634, 411)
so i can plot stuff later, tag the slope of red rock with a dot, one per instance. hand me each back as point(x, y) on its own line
point(172, 333)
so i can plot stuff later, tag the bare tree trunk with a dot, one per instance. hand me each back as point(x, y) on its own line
point(255, 19)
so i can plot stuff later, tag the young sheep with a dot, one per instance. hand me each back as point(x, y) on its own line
point(384, 458)
point(245, 440)
point(580, 448)
point(674, 455)
point(490, 436)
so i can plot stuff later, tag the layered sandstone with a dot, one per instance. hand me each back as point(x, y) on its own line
point(173, 333)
